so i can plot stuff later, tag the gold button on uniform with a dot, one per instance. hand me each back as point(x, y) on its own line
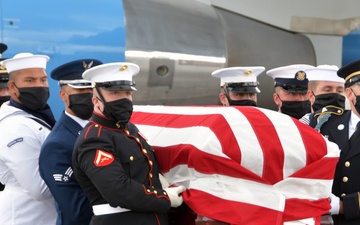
point(155, 191)
point(151, 163)
point(144, 151)
point(150, 174)
point(127, 132)
point(131, 158)
point(347, 163)
point(345, 179)
point(148, 190)
point(343, 194)
point(137, 139)
point(96, 125)
point(165, 193)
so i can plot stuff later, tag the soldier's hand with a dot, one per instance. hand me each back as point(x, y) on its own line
point(335, 204)
point(174, 195)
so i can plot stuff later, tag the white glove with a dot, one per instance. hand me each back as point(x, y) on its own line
point(335, 204)
point(173, 192)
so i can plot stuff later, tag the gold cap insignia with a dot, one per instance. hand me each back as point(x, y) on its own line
point(300, 75)
point(124, 67)
point(247, 72)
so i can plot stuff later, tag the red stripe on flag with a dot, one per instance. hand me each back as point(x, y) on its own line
point(169, 157)
point(237, 213)
point(315, 144)
point(296, 209)
point(269, 142)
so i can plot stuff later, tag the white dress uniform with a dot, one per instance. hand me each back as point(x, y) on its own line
point(26, 198)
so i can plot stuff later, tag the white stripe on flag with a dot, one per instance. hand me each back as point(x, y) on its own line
point(304, 188)
point(200, 137)
point(228, 188)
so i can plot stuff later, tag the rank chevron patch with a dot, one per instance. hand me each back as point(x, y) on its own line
point(103, 158)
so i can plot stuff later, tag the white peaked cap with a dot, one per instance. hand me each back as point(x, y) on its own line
point(238, 74)
point(324, 73)
point(287, 72)
point(25, 61)
point(112, 72)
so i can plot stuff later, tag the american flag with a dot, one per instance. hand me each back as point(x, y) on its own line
point(241, 165)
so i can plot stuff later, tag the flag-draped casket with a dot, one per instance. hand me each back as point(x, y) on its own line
point(241, 165)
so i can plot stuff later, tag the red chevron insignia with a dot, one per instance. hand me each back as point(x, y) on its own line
point(103, 158)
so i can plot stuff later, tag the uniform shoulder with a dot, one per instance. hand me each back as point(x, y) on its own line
point(333, 110)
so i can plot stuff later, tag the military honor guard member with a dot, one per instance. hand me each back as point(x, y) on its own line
point(112, 160)
point(343, 130)
point(326, 95)
point(55, 162)
point(4, 90)
point(25, 122)
point(239, 85)
point(4, 78)
point(291, 86)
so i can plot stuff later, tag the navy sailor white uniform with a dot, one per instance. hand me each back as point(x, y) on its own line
point(26, 199)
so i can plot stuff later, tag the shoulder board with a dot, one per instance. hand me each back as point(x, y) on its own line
point(330, 109)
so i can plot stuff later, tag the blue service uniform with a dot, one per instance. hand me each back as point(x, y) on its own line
point(127, 175)
point(346, 183)
point(55, 164)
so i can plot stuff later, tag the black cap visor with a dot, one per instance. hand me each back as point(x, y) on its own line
point(117, 85)
point(352, 81)
point(293, 88)
point(244, 87)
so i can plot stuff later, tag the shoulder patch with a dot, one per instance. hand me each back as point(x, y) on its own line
point(64, 177)
point(17, 140)
point(103, 158)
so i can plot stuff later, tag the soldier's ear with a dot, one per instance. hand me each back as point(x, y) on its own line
point(311, 96)
point(62, 94)
point(349, 94)
point(223, 99)
point(277, 99)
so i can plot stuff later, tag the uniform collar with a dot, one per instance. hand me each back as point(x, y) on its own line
point(103, 121)
point(354, 119)
point(80, 121)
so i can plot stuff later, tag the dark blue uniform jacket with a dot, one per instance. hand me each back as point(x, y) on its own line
point(55, 165)
point(346, 183)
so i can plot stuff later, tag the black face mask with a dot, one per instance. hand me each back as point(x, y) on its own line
point(245, 102)
point(357, 103)
point(328, 99)
point(4, 99)
point(119, 110)
point(81, 105)
point(34, 98)
point(296, 109)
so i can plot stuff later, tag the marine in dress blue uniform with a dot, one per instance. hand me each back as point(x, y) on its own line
point(238, 85)
point(55, 162)
point(342, 131)
point(113, 162)
point(291, 85)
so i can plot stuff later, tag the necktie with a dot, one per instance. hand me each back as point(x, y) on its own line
point(355, 135)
